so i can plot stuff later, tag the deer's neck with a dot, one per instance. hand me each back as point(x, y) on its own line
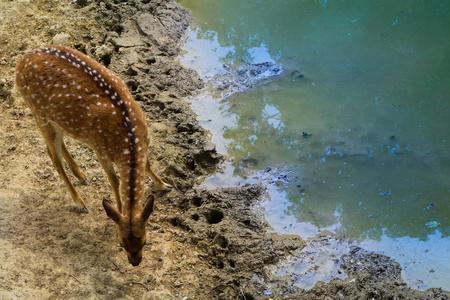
point(132, 184)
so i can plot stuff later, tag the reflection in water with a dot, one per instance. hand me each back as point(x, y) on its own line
point(209, 65)
point(382, 180)
point(358, 121)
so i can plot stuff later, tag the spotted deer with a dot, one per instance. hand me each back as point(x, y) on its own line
point(70, 93)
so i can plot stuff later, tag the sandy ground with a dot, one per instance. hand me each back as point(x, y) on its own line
point(202, 244)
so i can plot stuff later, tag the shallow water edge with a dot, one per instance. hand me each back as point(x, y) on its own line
point(386, 184)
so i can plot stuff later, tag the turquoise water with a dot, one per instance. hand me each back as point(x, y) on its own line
point(369, 82)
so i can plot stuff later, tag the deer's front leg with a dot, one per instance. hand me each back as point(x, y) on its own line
point(72, 164)
point(113, 179)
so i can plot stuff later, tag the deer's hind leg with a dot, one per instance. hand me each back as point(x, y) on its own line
point(72, 164)
point(53, 136)
point(160, 185)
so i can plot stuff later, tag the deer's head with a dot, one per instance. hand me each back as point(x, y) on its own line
point(132, 233)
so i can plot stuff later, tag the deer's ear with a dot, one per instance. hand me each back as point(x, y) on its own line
point(148, 208)
point(111, 212)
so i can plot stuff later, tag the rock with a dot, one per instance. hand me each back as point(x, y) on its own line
point(129, 38)
point(176, 170)
point(62, 39)
point(210, 147)
point(245, 77)
point(160, 128)
point(150, 26)
point(207, 156)
point(186, 127)
point(104, 51)
point(5, 90)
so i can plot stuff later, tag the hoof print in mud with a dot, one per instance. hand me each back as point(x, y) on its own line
point(214, 216)
point(197, 201)
point(221, 241)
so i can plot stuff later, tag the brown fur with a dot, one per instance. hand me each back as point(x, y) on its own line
point(70, 93)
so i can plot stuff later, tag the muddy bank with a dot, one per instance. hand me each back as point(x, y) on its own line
point(201, 244)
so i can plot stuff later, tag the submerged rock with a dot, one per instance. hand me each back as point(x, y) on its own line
point(245, 77)
point(258, 72)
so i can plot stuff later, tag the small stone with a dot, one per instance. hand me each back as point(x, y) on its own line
point(177, 283)
point(62, 39)
point(210, 147)
point(160, 128)
point(186, 127)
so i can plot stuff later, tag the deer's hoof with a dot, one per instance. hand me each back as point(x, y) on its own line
point(165, 187)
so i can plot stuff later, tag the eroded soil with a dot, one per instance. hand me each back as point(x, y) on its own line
point(202, 244)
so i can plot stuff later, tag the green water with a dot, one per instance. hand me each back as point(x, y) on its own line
point(369, 82)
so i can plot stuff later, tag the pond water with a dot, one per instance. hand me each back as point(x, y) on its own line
point(354, 136)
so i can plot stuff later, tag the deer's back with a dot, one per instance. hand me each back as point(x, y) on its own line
point(85, 99)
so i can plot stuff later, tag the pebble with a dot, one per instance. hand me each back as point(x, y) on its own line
point(62, 39)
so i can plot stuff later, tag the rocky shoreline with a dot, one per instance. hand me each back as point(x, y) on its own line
point(202, 244)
